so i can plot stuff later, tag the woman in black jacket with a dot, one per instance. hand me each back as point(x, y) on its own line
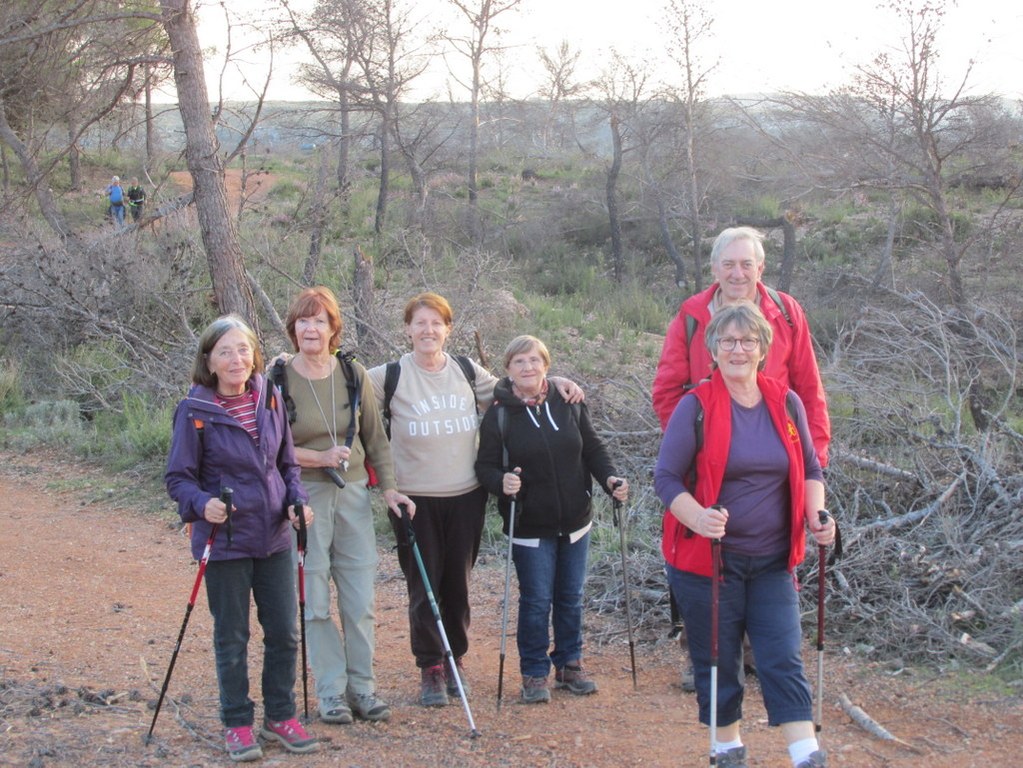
point(543, 451)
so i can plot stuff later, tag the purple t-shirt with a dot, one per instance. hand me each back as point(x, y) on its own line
point(755, 488)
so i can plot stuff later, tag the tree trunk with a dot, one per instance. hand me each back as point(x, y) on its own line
point(150, 126)
point(206, 164)
point(362, 299)
point(74, 157)
point(612, 202)
point(317, 220)
point(669, 245)
point(385, 178)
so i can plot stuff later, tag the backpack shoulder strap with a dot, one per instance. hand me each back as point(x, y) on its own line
point(502, 421)
point(278, 375)
point(469, 370)
point(776, 298)
point(391, 375)
point(354, 385)
point(691, 324)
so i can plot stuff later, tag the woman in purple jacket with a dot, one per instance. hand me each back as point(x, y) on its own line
point(230, 432)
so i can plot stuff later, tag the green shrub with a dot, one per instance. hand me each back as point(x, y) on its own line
point(12, 397)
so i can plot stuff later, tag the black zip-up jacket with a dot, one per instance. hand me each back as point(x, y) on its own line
point(555, 445)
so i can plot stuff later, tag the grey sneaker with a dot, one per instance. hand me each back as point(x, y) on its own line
point(366, 706)
point(575, 679)
point(535, 690)
point(733, 758)
point(452, 685)
point(433, 690)
point(333, 709)
point(817, 759)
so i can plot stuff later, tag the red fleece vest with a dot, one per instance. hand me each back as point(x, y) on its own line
point(689, 552)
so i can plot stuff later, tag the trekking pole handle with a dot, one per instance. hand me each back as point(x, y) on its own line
point(335, 476)
point(302, 530)
point(615, 504)
point(227, 496)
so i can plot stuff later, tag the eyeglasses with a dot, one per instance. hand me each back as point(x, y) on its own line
point(747, 344)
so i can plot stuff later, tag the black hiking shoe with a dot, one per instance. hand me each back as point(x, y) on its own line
point(816, 759)
point(433, 691)
point(733, 758)
point(453, 686)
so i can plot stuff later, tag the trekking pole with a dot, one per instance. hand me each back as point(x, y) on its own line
point(411, 535)
point(821, 586)
point(301, 542)
point(715, 596)
point(226, 495)
point(507, 597)
point(619, 522)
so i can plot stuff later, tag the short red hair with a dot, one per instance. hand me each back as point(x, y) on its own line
point(308, 303)
point(433, 301)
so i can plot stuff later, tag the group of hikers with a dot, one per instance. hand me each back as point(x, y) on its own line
point(273, 469)
point(119, 198)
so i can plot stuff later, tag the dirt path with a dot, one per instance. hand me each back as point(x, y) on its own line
point(93, 595)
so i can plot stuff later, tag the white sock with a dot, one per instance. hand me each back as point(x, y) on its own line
point(723, 746)
point(802, 749)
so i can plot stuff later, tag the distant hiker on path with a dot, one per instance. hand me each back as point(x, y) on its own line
point(136, 198)
point(115, 198)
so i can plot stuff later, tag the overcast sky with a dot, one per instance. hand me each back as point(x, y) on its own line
point(780, 45)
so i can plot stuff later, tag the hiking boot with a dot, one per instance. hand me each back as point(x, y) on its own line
point(733, 758)
point(291, 734)
point(453, 686)
point(333, 709)
point(816, 759)
point(575, 679)
point(689, 679)
point(366, 706)
point(241, 744)
point(535, 690)
point(433, 691)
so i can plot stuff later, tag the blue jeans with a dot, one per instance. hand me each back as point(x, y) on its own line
point(757, 597)
point(271, 581)
point(550, 577)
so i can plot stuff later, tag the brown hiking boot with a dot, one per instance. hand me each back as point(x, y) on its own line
point(575, 679)
point(535, 690)
point(433, 691)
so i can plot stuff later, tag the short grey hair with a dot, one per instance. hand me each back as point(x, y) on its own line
point(525, 343)
point(730, 235)
point(747, 317)
point(201, 373)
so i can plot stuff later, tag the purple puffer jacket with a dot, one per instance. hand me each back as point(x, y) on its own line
point(265, 478)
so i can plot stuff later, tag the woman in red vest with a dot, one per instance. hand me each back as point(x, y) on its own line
point(737, 464)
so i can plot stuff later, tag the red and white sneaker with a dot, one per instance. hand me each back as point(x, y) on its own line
point(291, 734)
point(241, 744)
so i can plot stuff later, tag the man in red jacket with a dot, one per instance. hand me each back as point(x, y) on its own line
point(737, 264)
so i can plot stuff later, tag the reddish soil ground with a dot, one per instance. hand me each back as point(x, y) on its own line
point(94, 590)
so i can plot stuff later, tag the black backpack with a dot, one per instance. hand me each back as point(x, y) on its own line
point(393, 373)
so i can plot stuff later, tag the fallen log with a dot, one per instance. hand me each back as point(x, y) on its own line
point(871, 726)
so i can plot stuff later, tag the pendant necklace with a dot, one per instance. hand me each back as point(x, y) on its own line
point(331, 431)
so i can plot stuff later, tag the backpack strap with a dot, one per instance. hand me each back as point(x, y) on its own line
point(469, 370)
point(393, 371)
point(278, 375)
point(345, 360)
point(776, 298)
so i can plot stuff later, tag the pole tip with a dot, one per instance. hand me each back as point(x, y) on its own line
point(475, 734)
